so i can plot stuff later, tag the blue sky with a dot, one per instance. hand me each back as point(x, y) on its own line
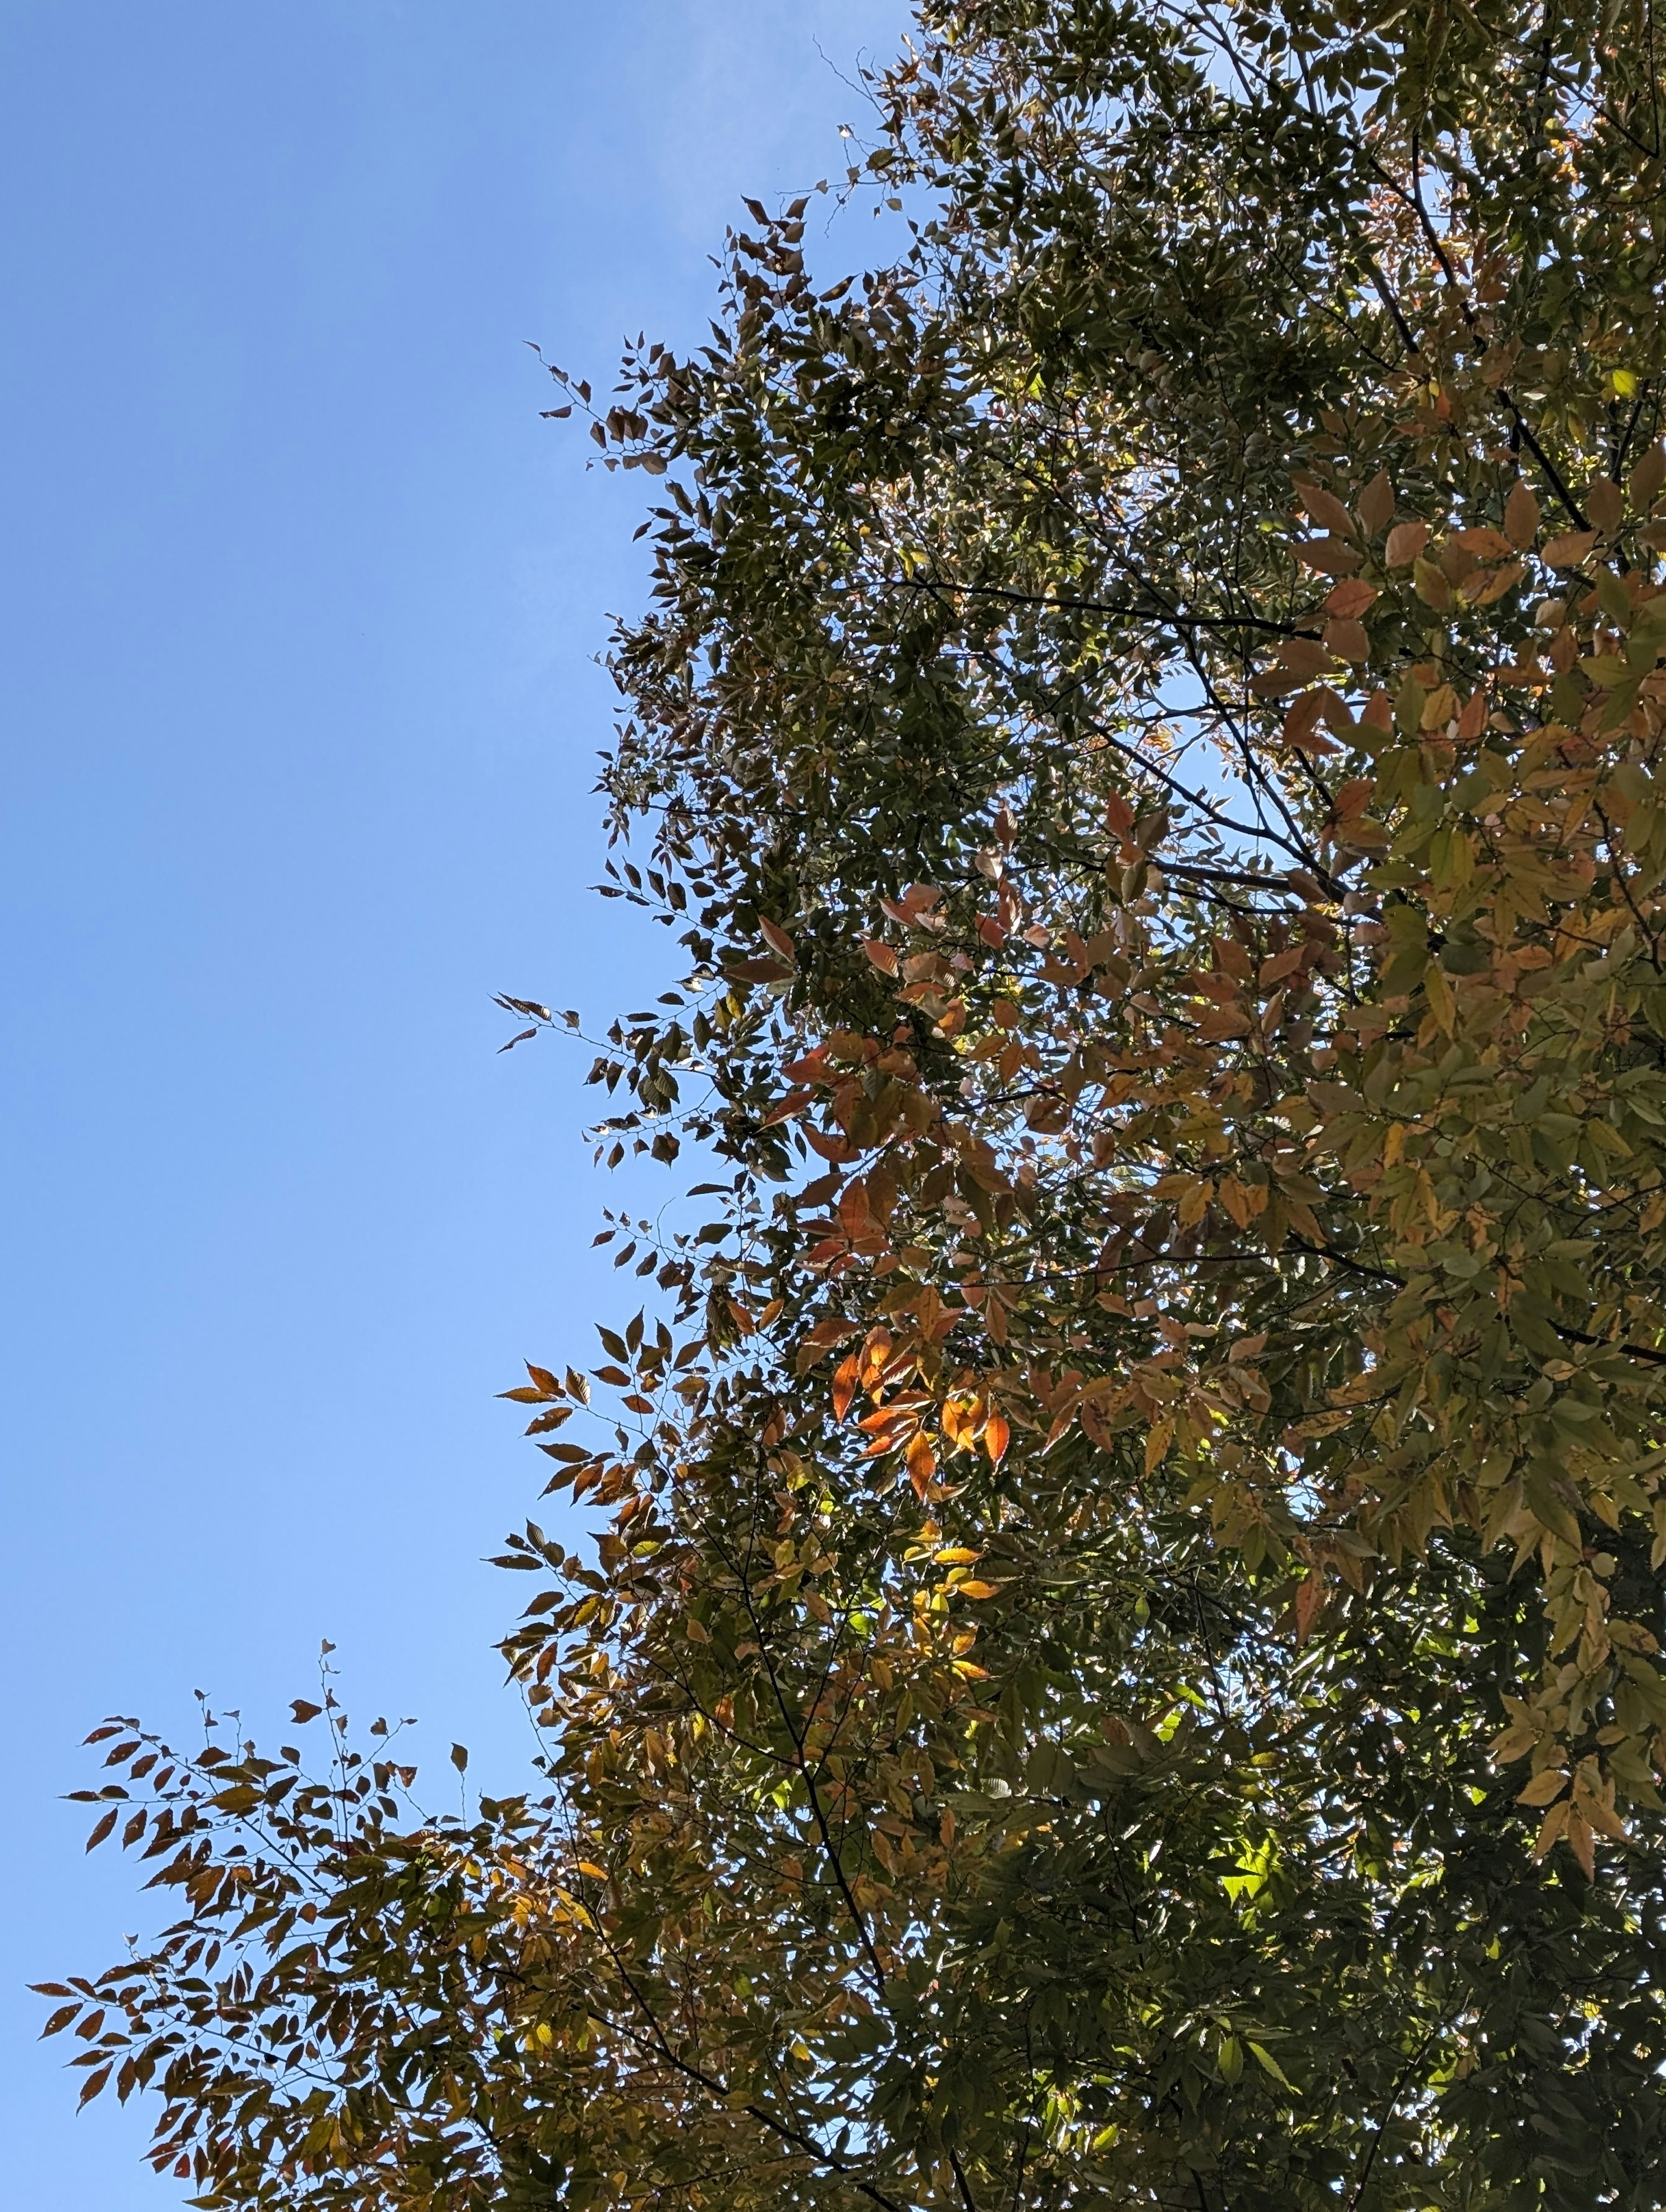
point(298, 600)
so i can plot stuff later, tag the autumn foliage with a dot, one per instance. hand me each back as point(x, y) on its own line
point(1119, 1664)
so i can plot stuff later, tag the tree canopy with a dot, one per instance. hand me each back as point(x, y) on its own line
point(1118, 1664)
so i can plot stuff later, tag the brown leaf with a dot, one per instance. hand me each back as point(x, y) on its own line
point(1331, 556)
point(1549, 1783)
point(1583, 1844)
point(92, 2085)
point(1406, 541)
point(1568, 550)
point(1647, 478)
point(1605, 504)
point(1482, 588)
point(1377, 503)
point(1521, 517)
point(1551, 1829)
point(1325, 508)
point(1302, 718)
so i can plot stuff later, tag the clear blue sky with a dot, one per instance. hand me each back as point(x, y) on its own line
point(298, 599)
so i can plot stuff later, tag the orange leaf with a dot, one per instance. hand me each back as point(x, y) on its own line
point(785, 1109)
point(921, 1462)
point(832, 1148)
point(1349, 599)
point(1158, 1440)
point(1377, 712)
point(844, 1385)
point(1491, 544)
point(1472, 720)
point(1309, 1597)
point(996, 1437)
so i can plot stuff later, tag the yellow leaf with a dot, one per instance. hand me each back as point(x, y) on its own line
point(978, 1590)
point(1270, 2065)
point(1430, 585)
point(1438, 708)
point(1190, 1209)
point(1439, 993)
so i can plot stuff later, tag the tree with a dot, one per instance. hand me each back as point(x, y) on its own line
point(1121, 1664)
